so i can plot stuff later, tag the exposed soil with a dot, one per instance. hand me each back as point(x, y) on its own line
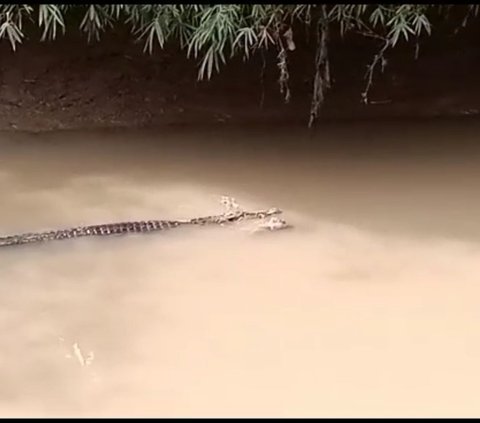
point(68, 84)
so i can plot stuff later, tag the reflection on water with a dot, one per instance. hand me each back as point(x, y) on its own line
point(368, 307)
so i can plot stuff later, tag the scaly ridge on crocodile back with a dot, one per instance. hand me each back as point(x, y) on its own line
point(233, 213)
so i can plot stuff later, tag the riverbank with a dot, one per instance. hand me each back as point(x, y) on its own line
point(68, 84)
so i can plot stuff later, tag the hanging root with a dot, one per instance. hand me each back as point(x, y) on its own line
point(284, 75)
point(262, 78)
point(379, 58)
point(322, 80)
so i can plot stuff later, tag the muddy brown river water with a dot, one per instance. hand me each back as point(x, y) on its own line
point(368, 307)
